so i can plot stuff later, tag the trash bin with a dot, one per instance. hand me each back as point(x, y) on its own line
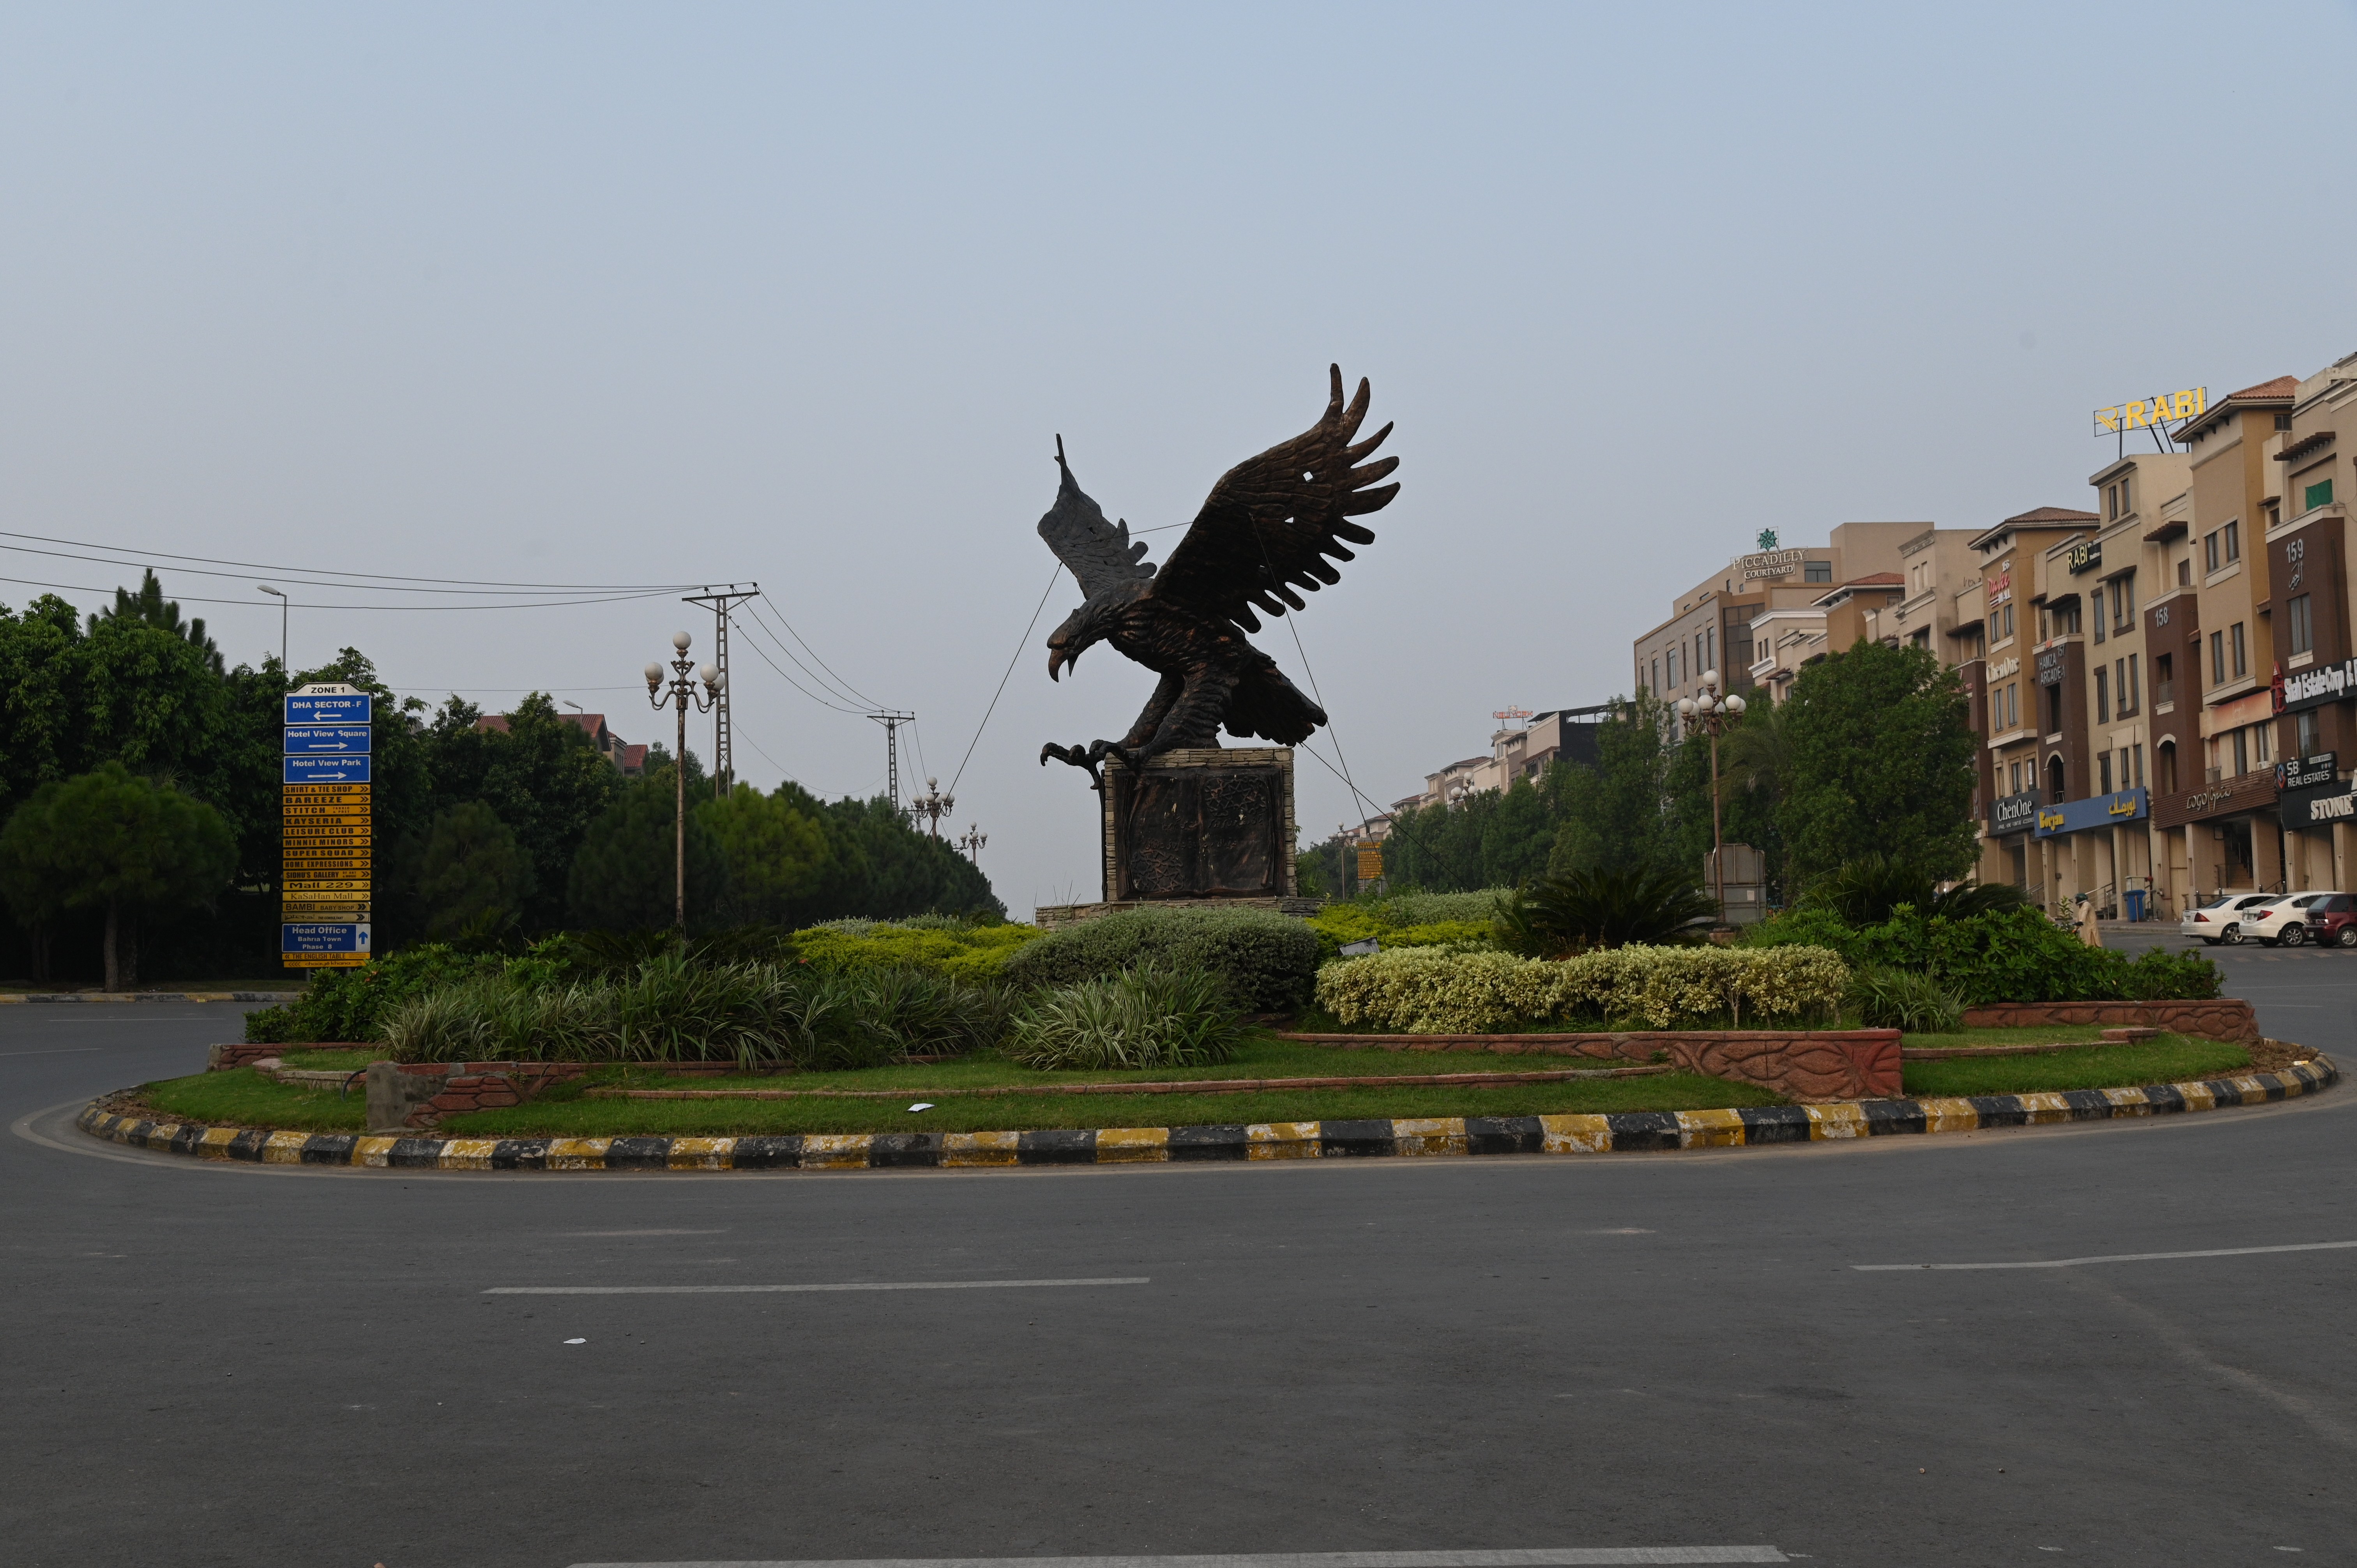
point(2135, 897)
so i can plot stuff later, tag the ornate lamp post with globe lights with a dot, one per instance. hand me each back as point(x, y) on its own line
point(1711, 714)
point(680, 693)
point(932, 804)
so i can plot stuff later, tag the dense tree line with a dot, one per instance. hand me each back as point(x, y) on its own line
point(131, 719)
point(1872, 754)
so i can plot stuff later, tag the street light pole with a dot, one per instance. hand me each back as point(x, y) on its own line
point(972, 842)
point(1710, 714)
point(933, 803)
point(282, 624)
point(679, 693)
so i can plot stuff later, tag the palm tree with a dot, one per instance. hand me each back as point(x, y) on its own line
point(1865, 890)
point(1756, 756)
point(1586, 909)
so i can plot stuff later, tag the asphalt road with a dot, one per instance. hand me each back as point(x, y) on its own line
point(217, 1365)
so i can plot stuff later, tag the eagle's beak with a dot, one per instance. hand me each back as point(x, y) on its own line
point(1058, 659)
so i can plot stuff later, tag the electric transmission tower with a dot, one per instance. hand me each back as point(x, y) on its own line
point(892, 723)
point(723, 755)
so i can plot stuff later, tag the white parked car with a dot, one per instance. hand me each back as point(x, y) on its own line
point(2300, 917)
point(2222, 919)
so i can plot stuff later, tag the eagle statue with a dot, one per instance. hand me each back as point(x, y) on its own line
point(1265, 536)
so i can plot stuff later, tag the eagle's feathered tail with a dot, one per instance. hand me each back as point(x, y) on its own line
point(1267, 705)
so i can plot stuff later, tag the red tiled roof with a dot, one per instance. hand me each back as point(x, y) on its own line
point(2282, 386)
point(2051, 515)
point(1874, 580)
point(2283, 389)
point(593, 724)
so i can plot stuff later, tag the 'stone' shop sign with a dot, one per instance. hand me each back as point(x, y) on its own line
point(2318, 808)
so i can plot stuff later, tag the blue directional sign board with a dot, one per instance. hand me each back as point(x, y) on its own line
point(325, 770)
point(328, 740)
point(305, 937)
point(325, 708)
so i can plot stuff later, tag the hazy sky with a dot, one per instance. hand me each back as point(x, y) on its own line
point(595, 294)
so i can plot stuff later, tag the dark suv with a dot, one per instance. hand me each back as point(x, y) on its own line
point(2328, 920)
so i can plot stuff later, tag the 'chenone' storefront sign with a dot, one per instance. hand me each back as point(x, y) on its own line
point(2013, 814)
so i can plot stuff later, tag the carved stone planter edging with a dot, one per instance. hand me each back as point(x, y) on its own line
point(1614, 1133)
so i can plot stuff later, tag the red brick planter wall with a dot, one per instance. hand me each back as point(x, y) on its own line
point(2225, 1018)
point(1811, 1066)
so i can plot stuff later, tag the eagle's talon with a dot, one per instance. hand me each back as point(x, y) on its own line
point(1084, 760)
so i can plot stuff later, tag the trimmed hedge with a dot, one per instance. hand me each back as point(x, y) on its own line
point(1430, 991)
point(2009, 955)
point(1269, 960)
point(971, 953)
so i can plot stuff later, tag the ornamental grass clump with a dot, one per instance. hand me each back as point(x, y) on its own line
point(1431, 991)
point(1150, 1016)
point(1887, 998)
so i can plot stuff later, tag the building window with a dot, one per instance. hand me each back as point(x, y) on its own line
point(2164, 766)
point(2307, 735)
point(2211, 558)
point(2185, 573)
point(2241, 742)
point(2316, 495)
point(2013, 704)
point(2263, 742)
point(2241, 650)
point(1657, 675)
point(2136, 751)
point(2104, 774)
point(2132, 694)
point(2217, 658)
point(2103, 706)
point(2164, 685)
point(2233, 534)
point(1677, 658)
point(2303, 632)
point(1817, 571)
point(2099, 615)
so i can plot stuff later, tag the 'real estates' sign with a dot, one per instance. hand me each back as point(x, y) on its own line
point(2314, 687)
point(2013, 814)
point(2095, 812)
point(2305, 772)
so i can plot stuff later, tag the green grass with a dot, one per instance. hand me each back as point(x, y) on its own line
point(2017, 1034)
point(2172, 1058)
point(575, 1117)
point(246, 1098)
point(319, 1059)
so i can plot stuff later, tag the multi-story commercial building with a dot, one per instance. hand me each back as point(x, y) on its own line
point(2307, 548)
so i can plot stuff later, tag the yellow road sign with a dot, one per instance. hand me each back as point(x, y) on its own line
point(325, 791)
point(321, 960)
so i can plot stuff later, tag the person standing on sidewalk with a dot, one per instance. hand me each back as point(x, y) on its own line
point(2088, 932)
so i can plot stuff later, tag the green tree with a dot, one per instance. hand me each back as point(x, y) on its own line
point(541, 775)
point(150, 608)
point(1613, 816)
point(473, 877)
point(625, 877)
point(1882, 762)
point(777, 855)
point(118, 843)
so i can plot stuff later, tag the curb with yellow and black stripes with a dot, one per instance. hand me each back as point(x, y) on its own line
point(1613, 1133)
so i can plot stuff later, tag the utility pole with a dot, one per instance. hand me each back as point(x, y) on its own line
point(680, 693)
point(892, 723)
point(724, 752)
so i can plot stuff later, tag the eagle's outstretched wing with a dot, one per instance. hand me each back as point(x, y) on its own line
point(1099, 553)
point(1270, 523)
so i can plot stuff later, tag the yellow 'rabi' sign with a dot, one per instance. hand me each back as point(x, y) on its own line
point(2165, 408)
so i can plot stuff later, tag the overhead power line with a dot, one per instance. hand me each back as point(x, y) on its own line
point(309, 604)
point(843, 688)
point(331, 579)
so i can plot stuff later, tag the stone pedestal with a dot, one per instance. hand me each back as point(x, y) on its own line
point(1202, 827)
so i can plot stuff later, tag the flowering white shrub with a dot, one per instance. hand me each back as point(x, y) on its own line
point(1433, 991)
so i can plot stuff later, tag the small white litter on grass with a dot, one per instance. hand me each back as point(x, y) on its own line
point(923, 1105)
point(577, 1342)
